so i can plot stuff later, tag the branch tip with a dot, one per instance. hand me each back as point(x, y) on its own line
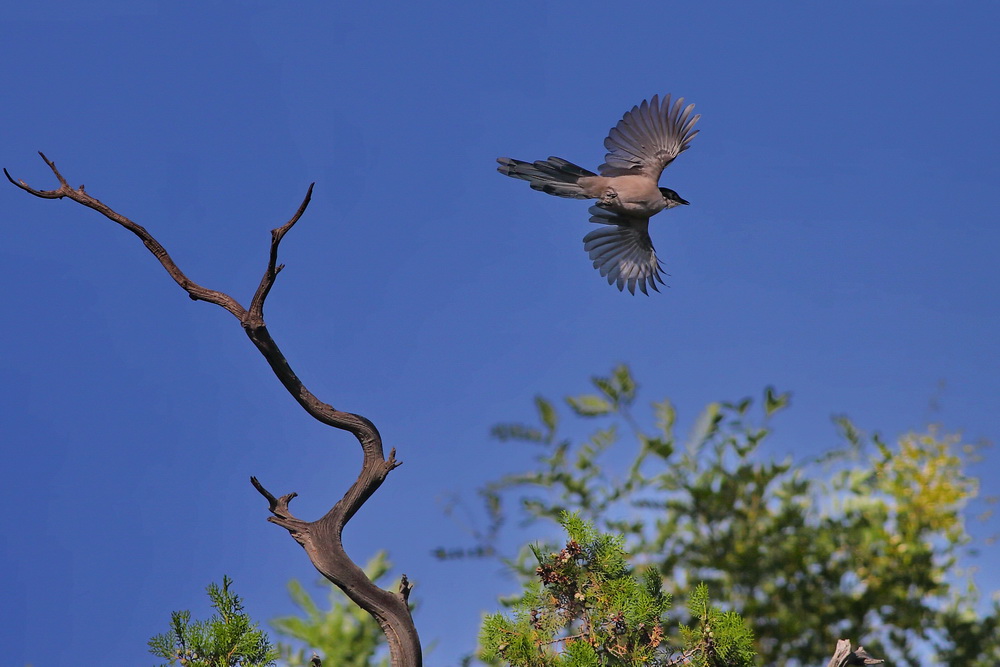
point(264, 492)
point(273, 268)
point(281, 231)
point(52, 166)
point(391, 462)
point(405, 587)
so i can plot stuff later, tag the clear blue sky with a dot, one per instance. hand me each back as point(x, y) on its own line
point(841, 243)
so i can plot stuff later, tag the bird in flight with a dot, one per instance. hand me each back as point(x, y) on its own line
point(640, 146)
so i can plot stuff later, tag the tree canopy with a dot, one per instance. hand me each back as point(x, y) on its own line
point(867, 542)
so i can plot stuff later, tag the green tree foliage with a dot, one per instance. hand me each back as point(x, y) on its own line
point(228, 639)
point(864, 543)
point(588, 608)
point(344, 635)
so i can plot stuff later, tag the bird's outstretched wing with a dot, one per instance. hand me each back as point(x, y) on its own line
point(622, 250)
point(649, 137)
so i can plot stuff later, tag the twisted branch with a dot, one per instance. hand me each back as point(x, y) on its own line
point(321, 538)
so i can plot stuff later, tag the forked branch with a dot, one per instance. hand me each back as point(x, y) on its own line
point(321, 538)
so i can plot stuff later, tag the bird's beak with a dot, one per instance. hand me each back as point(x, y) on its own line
point(683, 201)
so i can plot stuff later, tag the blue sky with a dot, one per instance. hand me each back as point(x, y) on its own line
point(841, 243)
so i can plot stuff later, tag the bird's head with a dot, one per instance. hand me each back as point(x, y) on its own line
point(673, 199)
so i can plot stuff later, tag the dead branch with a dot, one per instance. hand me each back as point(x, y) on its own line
point(321, 538)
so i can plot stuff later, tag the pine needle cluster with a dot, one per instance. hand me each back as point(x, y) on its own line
point(588, 607)
point(228, 639)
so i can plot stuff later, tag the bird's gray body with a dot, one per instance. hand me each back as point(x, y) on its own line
point(640, 146)
point(629, 195)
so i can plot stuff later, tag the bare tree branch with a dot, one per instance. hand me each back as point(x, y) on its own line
point(196, 291)
point(321, 538)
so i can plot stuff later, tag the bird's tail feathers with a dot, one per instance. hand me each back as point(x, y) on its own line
point(554, 176)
